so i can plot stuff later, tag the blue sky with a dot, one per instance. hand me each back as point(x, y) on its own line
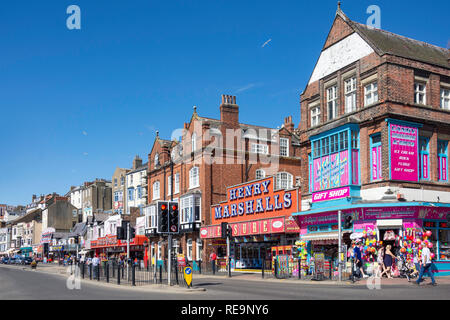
point(75, 104)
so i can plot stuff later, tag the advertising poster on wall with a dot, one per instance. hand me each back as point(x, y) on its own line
point(343, 168)
point(404, 152)
point(325, 173)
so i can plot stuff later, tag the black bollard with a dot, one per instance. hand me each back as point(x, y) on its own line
point(160, 274)
point(82, 270)
point(107, 273)
point(262, 268)
point(299, 268)
point(118, 274)
point(276, 268)
point(98, 273)
point(200, 266)
point(90, 272)
point(133, 275)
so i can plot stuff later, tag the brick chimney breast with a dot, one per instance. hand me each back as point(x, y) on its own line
point(229, 111)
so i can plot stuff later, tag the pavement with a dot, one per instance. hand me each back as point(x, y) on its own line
point(247, 276)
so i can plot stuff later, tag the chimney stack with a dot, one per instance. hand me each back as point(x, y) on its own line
point(137, 162)
point(288, 124)
point(229, 111)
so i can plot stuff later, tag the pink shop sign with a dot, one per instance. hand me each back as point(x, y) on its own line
point(404, 152)
point(331, 194)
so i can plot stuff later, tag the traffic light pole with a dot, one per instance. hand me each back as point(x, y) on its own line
point(128, 250)
point(169, 239)
point(340, 244)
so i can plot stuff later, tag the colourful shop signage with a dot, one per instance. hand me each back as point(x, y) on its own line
point(252, 228)
point(331, 194)
point(111, 241)
point(255, 200)
point(404, 152)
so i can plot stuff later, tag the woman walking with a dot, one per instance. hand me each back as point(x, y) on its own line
point(388, 260)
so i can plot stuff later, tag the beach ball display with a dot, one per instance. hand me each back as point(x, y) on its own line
point(430, 245)
point(402, 250)
point(428, 233)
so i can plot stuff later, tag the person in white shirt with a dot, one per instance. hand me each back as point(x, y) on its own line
point(426, 266)
point(95, 265)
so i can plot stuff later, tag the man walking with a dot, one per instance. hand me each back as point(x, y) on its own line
point(426, 266)
point(358, 259)
point(95, 265)
point(213, 258)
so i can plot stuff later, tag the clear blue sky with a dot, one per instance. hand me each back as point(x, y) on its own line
point(75, 104)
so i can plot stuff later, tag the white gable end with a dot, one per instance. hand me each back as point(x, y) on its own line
point(339, 55)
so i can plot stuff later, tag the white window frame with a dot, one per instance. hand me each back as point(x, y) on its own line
point(193, 142)
point(284, 180)
point(176, 187)
point(189, 249)
point(156, 190)
point(445, 98)
point(187, 209)
point(169, 184)
point(284, 147)
point(198, 249)
point(371, 93)
point(315, 116)
point(260, 148)
point(332, 102)
point(194, 177)
point(350, 94)
point(420, 93)
point(260, 174)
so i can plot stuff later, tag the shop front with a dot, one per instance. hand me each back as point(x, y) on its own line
point(376, 225)
point(110, 247)
point(259, 218)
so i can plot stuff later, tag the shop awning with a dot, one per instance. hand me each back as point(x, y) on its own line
point(389, 223)
point(321, 236)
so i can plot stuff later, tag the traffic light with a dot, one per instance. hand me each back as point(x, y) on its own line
point(132, 233)
point(121, 235)
point(224, 229)
point(163, 217)
point(229, 232)
point(348, 222)
point(174, 222)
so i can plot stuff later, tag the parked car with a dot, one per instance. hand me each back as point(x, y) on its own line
point(5, 260)
point(12, 260)
point(26, 260)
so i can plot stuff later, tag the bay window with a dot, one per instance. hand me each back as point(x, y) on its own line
point(375, 157)
point(442, 161)
point(190, 209)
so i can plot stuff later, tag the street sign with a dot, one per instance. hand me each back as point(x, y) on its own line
point(188, 275)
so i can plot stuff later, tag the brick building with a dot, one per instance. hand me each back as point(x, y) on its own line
point(208, 156)
point(375, 128)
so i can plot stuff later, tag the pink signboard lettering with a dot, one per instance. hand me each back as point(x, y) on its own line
point(331, 194)
point(404, 152)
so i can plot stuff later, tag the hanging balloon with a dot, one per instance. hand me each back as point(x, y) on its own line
point(429, 233)
point(430, 245)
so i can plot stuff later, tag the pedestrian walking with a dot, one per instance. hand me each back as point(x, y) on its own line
point(213, 258)
point(388, 261)
point(358, 259)
point(95, 264)
point(426, 266)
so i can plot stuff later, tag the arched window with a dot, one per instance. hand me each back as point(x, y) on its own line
point(156, 160)
point(194, 142)
point(156, 189)
point(194, 178)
